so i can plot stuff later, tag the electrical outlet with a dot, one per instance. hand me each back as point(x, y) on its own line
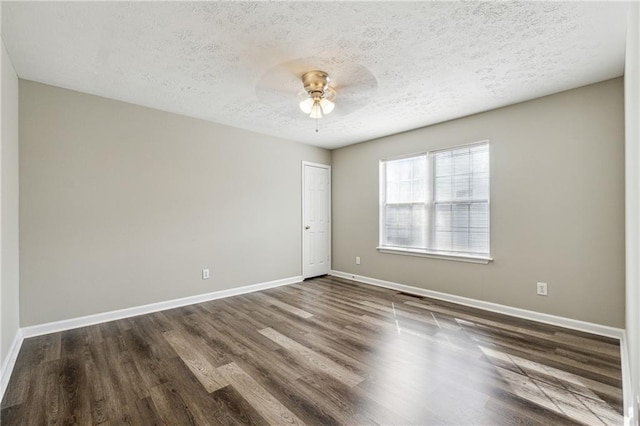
point(357, 260)
point(205, 274)
point(541, 289)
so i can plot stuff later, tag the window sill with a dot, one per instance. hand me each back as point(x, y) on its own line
point(437, 255)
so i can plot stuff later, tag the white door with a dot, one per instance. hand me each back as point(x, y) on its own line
point(316, 219)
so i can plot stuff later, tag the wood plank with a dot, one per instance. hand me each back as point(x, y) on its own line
point(304, 402)
point(53, 400)
point(233, 409)
point(314, 359)
point(72, 379)
point(199, 365)
point(170, 406)
point(268, 407)
point(287, 307)
point(190, 391)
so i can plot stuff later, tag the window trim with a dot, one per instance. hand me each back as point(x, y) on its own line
point(433, 254)
point(460, 257)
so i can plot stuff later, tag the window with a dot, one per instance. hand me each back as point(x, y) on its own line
point(437, 203)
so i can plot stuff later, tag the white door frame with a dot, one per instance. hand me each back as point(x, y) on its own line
point(302, 217)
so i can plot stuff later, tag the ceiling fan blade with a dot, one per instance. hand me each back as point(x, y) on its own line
point(355, 85)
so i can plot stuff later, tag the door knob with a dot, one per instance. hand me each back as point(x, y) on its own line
point(307, 227)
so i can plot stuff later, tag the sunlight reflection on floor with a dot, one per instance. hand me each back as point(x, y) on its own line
point(549, 389)
point(467, 368)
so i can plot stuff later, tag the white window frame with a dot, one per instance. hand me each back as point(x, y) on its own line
point(430, 207)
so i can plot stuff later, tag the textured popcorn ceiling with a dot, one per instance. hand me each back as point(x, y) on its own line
point(395, 65)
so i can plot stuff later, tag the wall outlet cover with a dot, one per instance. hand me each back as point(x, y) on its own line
point(541, 289)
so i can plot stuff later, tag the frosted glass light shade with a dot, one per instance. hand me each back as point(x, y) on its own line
point(317, 104)
point(316, 110)
point(327, 105)
point(306, 105)
point(330, 94)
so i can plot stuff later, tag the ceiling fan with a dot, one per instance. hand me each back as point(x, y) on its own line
point(317, 98)
point(316, 87)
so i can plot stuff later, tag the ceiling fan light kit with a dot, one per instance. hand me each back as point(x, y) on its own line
point(317, 98)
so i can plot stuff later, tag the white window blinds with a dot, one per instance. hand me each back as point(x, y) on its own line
point(461, 200)
point(406, 202)
point(437, 202)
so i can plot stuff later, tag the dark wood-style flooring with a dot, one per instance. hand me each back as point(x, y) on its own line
point(322, 352)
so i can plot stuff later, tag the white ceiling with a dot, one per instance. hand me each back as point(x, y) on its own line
point(395, 65)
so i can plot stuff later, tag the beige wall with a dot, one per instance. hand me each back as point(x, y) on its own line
point(557, 206)
point(9, 268)
point(122, 205)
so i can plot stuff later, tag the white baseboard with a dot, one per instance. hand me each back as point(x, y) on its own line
point(10, 362)
point(588, 327)
point(53, 327)
point(627, 385)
